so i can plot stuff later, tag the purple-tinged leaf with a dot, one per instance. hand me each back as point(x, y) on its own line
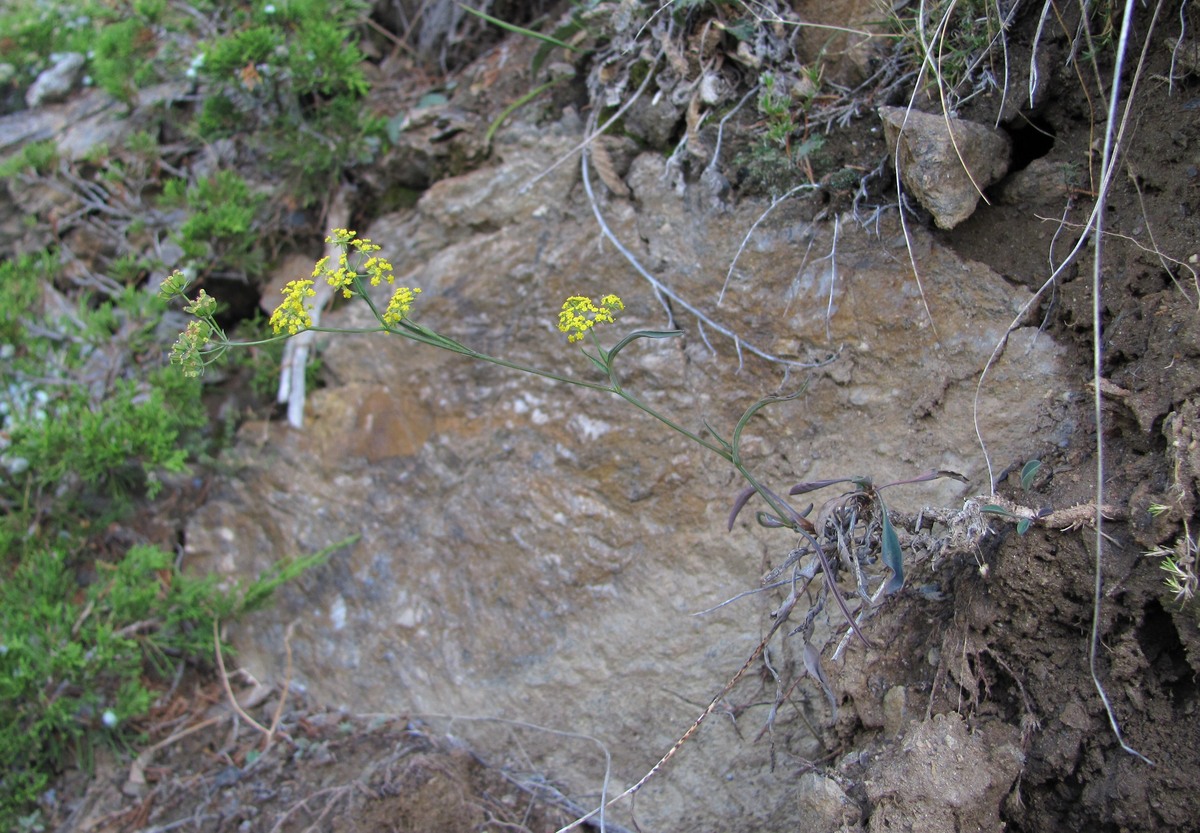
point(739, 503)
point(813, 485)
point(770, 521)
point(812, 664)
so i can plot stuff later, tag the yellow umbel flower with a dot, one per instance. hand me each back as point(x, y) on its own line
point(580, 314)
point(292, 315)
point(399, 306)
point(377, 269)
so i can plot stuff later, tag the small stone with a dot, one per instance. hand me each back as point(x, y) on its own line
point(944, 162)
point(1043, 182)
point(895, 710)
point(822, 804)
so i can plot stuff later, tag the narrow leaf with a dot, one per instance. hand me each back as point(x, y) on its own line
point(925, 477)
point(812, 664)
point(725, 445)
point(1029, 472)
point(510, 109)
point(769, 521)
point(509, 27)
point(739, 503)
point(612, 354)
point(755, 408)
point(893, 557)
point(600, 365)
point(813, 485)
point(993, 509)
point(560, 34)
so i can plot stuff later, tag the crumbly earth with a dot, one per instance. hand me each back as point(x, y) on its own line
point(1005, 646)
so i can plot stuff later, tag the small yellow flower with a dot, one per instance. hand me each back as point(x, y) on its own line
point(399, 306)
point(580, 314)
point(292, 315)
point(376, 269)
point(363, 245)
point(379, 269)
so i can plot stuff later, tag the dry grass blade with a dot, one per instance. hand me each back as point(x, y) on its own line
point(1108, 163)
point(781, 615)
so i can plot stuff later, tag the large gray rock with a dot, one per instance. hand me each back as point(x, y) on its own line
point(535, 551)
point(944, 162)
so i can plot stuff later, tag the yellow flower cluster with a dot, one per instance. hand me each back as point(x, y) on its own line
point(378, 269)
point(399, 306)
point(292, 315)
point(580, 314)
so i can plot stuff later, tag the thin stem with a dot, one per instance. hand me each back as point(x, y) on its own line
point(696, 438)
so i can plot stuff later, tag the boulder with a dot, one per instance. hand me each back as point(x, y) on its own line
point(538, 552)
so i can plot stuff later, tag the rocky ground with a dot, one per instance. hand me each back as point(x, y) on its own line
point(975, 709)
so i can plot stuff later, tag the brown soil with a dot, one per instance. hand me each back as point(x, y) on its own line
point(321, 771)
point(1008, 642)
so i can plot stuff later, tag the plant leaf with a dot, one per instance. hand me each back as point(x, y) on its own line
point(755, 408)
point(725, 445)
point(812, 664)
point(510, 109)
point(572, 27)
point(600, 365)
point(893, 557)
point(1023, 525)
point(993, 509)
point(739, 503)
point(1029, 472)
point(634, 336)
point(925, 477)
point(769, 521)
point(509, 27)
point(813, 485)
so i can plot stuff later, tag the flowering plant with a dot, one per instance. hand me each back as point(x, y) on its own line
point(852, 527)
point(359, 264)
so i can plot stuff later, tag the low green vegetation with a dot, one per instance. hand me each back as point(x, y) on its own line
point(221, 228)
point(81, 665)
point(956, 45)
point(781, 157)
point(292, 74)
point(90, 421)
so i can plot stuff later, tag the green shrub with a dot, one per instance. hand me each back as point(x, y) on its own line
point(20, 290)
point(36, 157)
point(294, 77)
point(89, 417)
point(123, 40)
point(123, 58)
point(79, 440)
point(220, 228)
point(77, 665)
